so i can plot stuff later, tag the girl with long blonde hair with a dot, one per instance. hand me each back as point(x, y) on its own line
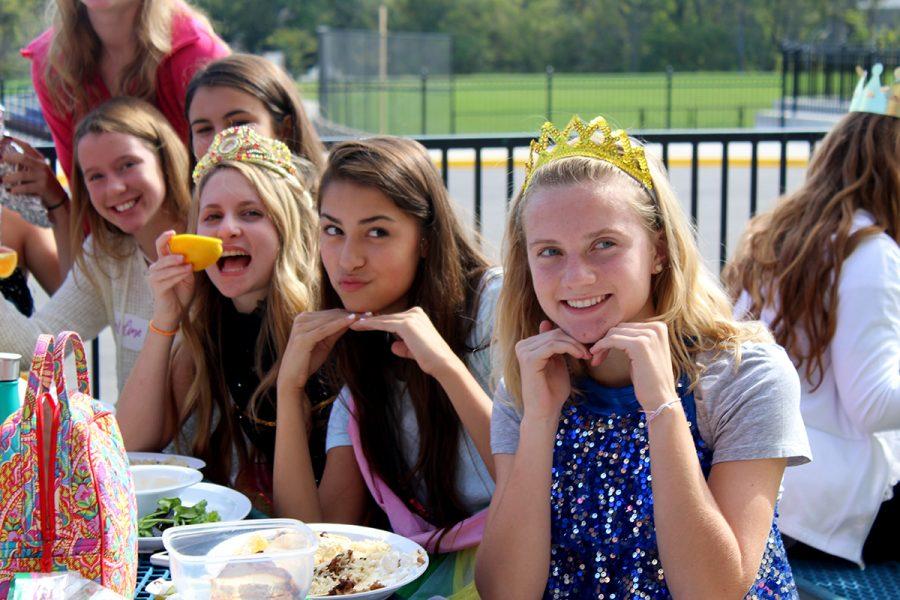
point(822, 268)
point(620, 355)
point(217, 393)
point(94, 51)
point(130, 184)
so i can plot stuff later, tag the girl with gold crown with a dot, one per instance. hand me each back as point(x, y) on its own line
point(620, 357)
point(823, 270)
point(217, 394)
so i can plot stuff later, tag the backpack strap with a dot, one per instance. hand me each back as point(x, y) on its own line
point(59, 376)
point(81, 370)
point(41, 375)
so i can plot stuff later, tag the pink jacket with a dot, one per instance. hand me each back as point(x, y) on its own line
point(193, 45)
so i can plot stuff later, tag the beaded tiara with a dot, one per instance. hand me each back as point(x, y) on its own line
point(613, 147)
point(243, 144)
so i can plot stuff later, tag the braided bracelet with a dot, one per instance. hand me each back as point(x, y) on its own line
point(652, 414)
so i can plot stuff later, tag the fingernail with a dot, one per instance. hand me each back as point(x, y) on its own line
point(351, 316)
point(368, 314)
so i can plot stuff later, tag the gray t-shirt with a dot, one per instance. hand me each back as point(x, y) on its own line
point(749, 414)
point(473, 481)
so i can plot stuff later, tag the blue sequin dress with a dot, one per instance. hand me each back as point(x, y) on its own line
point(603, 540)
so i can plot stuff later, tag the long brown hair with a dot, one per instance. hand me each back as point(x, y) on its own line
point(686, 296)
point(75, 52)
point(269, 84)
point(293, 289)
point(790, 258)
point(446, 287)
point(143, 121)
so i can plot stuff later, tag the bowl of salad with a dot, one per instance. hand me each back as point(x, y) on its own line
point(153, 482)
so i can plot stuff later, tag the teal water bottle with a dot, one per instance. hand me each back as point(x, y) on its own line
point(9, 384)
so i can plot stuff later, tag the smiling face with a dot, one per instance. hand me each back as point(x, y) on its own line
point(230, 209)
point(370, 248)
point(591, 258)
point(215, 108)
point(124, 181)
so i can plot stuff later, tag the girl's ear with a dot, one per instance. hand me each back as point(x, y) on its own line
point(660, 258)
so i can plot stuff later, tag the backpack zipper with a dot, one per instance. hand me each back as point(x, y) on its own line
point(46, 475)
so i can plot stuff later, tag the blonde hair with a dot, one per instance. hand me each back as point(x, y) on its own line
point(790, 258)
point(75, 52)
point(687, 297)
point(293, 289)
point(140, 120)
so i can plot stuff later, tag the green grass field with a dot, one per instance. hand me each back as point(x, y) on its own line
point(504, 103)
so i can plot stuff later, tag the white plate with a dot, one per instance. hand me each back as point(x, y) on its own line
point(397, 542)
point(230, 504)
point(161, 458)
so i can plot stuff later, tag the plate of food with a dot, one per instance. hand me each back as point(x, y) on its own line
point(200, 503)
point(161, 458)
point(363, 563)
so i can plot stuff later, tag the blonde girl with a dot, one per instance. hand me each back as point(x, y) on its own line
point(130, 184)
point(217, 394)
point(620, 357)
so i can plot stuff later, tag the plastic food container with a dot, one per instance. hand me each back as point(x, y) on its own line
point(266, 558)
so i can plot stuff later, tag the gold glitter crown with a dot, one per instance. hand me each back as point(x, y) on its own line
point(614, 147)
point(243, 144)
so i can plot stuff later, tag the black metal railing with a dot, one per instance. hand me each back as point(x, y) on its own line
point(822, 78)
point(666, 139)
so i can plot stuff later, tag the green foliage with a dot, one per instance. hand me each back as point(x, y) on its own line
point(20, 21)
point(572, 35)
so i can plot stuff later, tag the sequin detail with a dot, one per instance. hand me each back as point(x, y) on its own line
point(603, 539)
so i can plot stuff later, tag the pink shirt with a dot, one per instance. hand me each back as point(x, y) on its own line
point(193, 46)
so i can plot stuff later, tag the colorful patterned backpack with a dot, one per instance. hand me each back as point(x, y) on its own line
point(70, 446)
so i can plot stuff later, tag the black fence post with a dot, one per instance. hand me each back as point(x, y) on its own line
point(642, 118)
point(669, 76)
point(796, 78)
point(740, 116)
point(424, 94)
point(549, 92)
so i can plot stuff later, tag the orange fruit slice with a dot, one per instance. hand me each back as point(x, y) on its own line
point(8, 262)
point(201, 251)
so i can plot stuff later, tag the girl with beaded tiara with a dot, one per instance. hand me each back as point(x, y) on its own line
point(620, 356)
point(407, 314)
point(217, 392)
point(129, 183)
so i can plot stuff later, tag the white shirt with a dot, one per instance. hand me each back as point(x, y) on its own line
point(853, 417)
point(121, 299)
